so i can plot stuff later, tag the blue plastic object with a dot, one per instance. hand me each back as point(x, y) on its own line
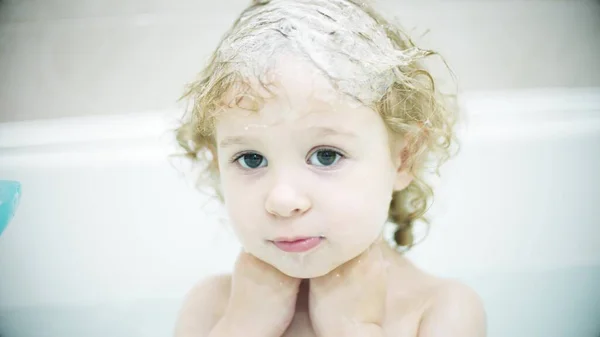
point(10, 194)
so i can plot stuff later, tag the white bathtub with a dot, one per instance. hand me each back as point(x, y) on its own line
point(109, 237)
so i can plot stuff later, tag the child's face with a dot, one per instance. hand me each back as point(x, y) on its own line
point(308, 164)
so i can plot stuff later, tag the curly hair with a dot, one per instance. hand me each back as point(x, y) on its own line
point(362, 54)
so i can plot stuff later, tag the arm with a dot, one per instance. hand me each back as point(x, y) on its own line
point(457, 311)
point(203, 308)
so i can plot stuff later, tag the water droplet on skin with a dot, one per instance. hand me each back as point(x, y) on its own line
point(337, 275)
point(261, 126)
point(301, 258)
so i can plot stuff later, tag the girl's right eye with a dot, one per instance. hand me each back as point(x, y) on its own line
point(251, 161)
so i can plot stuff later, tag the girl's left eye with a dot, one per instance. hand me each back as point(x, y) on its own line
point(325, 157)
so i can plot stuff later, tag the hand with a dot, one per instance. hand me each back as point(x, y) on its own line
point(350, 300)
point(262, 301)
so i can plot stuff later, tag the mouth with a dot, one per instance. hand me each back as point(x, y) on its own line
point(298, 244)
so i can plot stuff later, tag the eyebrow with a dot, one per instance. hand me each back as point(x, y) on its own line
point(323, 131)
point(319, 131)
point(231, 141)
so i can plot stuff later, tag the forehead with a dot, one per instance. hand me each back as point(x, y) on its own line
point(287, 76)
point(294, 89)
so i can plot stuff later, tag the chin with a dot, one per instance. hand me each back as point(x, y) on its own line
point(304, 271)
point(308, 266)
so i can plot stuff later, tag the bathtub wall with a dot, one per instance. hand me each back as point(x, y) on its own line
point(69, 58)
point(110, 234)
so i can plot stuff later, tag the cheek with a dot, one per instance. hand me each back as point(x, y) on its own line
point(243, 206)
point(359, 213)
point(358, 206)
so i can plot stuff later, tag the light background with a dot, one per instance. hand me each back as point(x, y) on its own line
point(109, 236)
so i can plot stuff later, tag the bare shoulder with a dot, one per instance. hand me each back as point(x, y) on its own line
point(455, 310)
point(203, 306)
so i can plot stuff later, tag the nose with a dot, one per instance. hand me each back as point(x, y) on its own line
point(285, 201)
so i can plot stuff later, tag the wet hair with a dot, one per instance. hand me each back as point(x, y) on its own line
point(363, 55)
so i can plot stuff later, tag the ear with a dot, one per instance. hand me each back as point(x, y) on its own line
point(403, 176)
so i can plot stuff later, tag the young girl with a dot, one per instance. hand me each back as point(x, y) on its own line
point(315, 121)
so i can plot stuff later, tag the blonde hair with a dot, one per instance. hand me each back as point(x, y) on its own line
point(373, 53)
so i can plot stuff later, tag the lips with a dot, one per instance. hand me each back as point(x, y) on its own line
point(297, 245)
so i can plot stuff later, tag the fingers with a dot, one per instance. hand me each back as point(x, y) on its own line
point(252, 268)
point(368, 268)
point(369, 262)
